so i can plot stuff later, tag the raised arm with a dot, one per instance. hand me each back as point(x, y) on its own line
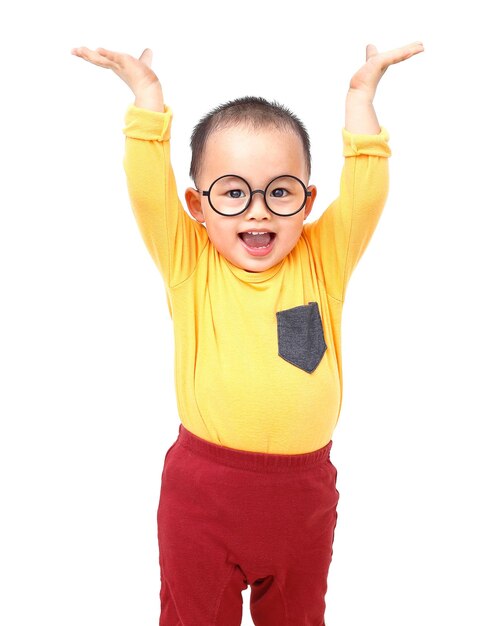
point(340, 236)
point(173, 239)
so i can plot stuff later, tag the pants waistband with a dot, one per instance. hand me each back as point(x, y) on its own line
point(252, 460)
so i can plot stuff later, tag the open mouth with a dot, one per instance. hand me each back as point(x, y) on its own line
point(259, 244)
point(257, 240)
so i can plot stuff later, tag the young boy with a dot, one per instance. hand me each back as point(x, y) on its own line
point(248, 493)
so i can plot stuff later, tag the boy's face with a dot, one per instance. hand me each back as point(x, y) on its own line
point(258, 156)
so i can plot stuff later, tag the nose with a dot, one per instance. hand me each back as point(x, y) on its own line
point(256, 207)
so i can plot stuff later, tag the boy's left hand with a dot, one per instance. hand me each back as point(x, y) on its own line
point(365, 81)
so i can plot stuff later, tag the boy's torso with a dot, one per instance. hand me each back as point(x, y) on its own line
point(244, 345)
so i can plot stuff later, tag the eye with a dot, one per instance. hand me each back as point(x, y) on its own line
point(275, 195)
point(235, 191)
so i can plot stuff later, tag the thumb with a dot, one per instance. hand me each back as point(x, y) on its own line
point(146, 57)
point(371, 51)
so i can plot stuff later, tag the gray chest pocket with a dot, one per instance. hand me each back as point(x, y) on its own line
point(300, 336)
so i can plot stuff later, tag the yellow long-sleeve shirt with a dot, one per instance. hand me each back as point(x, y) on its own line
point(257, 354)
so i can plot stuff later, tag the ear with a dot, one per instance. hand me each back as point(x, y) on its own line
point(193, 200)
point(310, 200)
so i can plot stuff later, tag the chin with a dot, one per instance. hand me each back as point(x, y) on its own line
point(260, 267)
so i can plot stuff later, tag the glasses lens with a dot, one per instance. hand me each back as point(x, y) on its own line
point(229, 195)
point(285, 195)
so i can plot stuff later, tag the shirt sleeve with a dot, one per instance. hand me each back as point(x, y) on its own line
point(339, 237)
point(173, 239)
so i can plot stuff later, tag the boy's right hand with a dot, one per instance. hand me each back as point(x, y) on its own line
point(136, 73)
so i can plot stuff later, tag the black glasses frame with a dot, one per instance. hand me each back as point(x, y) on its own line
point(262, 191)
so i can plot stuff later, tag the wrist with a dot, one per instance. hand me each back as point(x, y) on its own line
point(150, 97)
point(360, 115)
point(360, 96)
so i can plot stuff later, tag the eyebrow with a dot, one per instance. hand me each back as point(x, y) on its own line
point(247, 180)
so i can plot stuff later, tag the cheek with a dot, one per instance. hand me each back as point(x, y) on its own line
point(222, 232)
point(293, 229)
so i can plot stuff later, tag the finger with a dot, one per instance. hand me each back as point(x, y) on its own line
point(115, 57)
point(400, 54)
point(93, 56)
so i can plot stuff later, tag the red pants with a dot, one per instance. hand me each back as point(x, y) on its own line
point(230, 518)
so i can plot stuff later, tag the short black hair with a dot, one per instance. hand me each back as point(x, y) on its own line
point(255, 111)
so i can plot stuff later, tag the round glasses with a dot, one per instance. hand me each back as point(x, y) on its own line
point(231, 195)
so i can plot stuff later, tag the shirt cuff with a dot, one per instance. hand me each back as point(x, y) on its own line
point(375, 145)
point(146, 124)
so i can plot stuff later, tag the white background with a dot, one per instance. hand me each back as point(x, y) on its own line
point(87, 401)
